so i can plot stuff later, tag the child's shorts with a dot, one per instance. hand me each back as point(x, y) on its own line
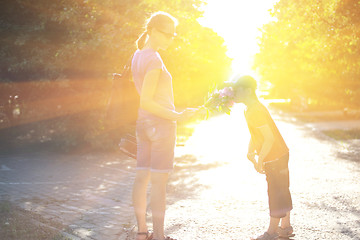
point(277, 177)
point(156, 140)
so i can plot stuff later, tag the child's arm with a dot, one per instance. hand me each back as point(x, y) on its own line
point(251, 152)
point(252, 155)
point(267, 145)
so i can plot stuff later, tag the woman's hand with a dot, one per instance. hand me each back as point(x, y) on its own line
point(186, 114)
point(202, 112)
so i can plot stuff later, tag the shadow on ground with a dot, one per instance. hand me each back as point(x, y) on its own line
point(184, 182)
point(340, 205)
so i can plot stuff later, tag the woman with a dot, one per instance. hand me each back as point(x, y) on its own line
point(156, 124)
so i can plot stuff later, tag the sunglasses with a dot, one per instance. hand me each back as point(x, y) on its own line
point(168, 35)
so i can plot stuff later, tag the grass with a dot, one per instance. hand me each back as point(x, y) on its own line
point(314, 114)
point(343, 134)
point(19, 224)
point(325, 117)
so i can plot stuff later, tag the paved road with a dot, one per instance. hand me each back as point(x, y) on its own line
point(213, 192)
point(89, 193)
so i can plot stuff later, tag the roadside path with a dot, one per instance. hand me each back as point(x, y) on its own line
point(213, 192)
point(332, 125)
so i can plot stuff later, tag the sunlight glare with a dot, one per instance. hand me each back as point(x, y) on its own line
point(222, 141)
point(238, 22)
point(220, 138)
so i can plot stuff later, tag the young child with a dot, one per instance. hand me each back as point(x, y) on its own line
point(268, 146)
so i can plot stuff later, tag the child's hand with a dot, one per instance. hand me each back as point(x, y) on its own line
point(260, 167)
point(251, 157)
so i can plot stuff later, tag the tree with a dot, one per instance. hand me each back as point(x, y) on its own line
point(312, 49)
point(59, 56)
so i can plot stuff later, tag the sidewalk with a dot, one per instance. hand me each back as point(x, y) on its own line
point(91, 194)
point(213, 192)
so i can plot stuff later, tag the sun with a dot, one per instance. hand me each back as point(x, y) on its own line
point(238, 22)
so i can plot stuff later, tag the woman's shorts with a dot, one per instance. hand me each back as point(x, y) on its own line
point(277, 177)
point(156, 140)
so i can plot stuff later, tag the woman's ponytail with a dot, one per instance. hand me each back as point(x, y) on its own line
point(140, 43)
point(157, 20)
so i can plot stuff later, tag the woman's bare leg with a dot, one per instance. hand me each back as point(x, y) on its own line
point(158, 202)
point(139, 199)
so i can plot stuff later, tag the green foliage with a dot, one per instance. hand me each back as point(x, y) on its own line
point(57, 56)
point(197, 61)
point(312, 50)
point(50, 40)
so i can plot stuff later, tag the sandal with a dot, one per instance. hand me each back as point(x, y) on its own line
point(148, 236)
point(267, 236)
point(286, 232)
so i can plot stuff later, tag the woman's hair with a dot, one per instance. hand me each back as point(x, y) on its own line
point(158, 20)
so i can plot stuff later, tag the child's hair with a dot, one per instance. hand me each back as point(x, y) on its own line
point(157, 20)
point(244, 82)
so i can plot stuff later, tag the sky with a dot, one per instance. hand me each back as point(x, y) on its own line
point(238, 22)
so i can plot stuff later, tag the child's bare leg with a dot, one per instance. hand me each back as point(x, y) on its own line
point(285, 221)
point(286, 229)
point(274, 224)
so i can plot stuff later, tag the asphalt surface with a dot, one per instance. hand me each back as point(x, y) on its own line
point(213, 193)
